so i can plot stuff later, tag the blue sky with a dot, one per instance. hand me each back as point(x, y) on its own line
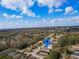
point(38, 13)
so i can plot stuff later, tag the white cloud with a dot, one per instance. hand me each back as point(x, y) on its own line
point(30, 13)
point(58, 10)
point(44, 21)
point(14, 24)
point(5, 15)
point(41, 23)
point(57, 21)
point(50, 11)
point(52, 21)
point(74, 19)
point(30, 2)
point(11, 16)
point(69, 9)
point(75, 11)
point(18, 16)
point(22, 5)
point(7, 24)
point(51, 3)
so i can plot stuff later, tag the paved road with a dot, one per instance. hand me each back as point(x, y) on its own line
point(76, 54)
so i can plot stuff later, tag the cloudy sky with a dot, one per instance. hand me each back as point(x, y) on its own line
point(38, 13)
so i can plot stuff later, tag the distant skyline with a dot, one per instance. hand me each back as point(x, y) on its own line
point(38, 13)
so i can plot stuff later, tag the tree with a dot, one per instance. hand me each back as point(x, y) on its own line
point(54, 54)
point(65, 42)
point(68, 40)
point(62, 42)
point(5, 57)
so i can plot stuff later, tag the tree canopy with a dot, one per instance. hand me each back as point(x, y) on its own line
point(68, 40)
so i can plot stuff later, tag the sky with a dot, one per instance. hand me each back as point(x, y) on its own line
point(38, 13)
